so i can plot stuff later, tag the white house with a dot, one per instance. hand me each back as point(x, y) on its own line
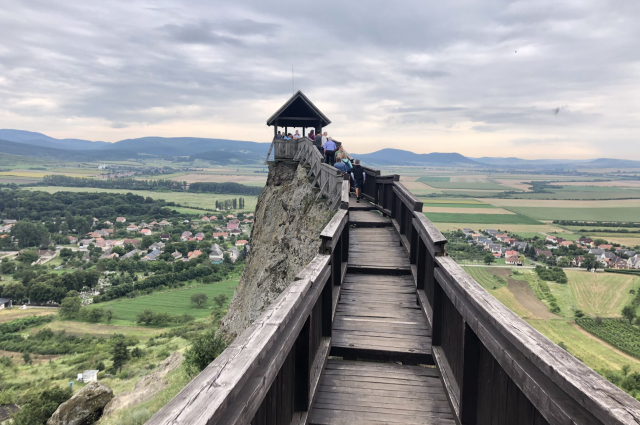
point(88, 376)
point(5, 303)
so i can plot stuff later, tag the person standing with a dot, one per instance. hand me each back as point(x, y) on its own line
point(297, 135)
point(318, 142)
point(312, 135)
point(330, 151)
point(279, 135)
point(358, 176)
point(339, 164)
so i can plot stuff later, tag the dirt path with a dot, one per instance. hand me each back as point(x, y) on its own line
point(606, 344)
point(525, 296)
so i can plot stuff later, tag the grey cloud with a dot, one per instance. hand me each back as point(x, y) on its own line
point(413, 64)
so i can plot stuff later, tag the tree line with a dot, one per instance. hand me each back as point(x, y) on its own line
point(112, 183)
point(151, 184)
point(235, 203)
point(226, 187)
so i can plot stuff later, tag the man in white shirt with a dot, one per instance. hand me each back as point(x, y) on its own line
point(297, 135)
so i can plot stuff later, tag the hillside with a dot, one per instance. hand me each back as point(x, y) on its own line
point(402, 157)
point(25, 149)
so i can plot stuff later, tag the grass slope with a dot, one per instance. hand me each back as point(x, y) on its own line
point(174, 302)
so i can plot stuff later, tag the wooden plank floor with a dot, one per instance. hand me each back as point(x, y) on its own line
point(377, 318)
point(377, 250)
point(368, 219)
point(379, 393)
point(363, 205)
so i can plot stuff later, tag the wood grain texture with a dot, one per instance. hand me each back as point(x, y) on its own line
point(375, 393)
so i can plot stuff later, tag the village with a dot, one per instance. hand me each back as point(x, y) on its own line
point(553, 250)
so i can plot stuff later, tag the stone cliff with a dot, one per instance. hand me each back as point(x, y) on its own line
point(285, 238)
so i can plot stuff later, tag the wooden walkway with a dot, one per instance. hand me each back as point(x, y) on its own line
point(378, 325)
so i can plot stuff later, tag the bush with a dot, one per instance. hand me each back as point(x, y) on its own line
point(206, 347)
point(38, 406)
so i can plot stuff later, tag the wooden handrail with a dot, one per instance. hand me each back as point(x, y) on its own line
point(470, 326)
point(293, 336)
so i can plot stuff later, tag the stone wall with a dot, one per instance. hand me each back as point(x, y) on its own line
point(285, 238)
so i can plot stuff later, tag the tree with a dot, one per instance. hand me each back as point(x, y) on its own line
point(136, 353)
point(629, 313)
point(27, 358)
point(145, 316)
point(205, 349)
point(14, 290)
point(7, 267)
point(489, 258)
point(95, 315)
point(199, 299)
point(590, 262)
point(563, 262)
point(70, 307)
point(38, 406)
point(28, 233)
point(220, 300)
point(28, 257)
point(119, 353)
point(108, 314)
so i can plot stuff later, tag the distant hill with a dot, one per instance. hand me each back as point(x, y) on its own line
point(226, 151)
point(406, 158)
point(39, 139)
point(187, 146)
point(26, 149)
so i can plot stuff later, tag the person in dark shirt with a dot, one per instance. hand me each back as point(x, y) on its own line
point(279, 135)
point(318, 141)
point(358, 176)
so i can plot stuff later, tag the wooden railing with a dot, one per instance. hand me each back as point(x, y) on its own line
point(496, 368)
point(272, 369)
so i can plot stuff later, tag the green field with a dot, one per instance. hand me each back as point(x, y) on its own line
point(456, 205)
point(573, 194)
point(603, 294)
point(586, 214)
point(428, 179)
point(467, 186)
point(617, 332)
point(480, 218)
point(585, 347)
point(174, 302)
point(195, 200)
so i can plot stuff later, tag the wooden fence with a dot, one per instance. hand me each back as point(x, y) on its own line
point(496, 368)
point(270, 373)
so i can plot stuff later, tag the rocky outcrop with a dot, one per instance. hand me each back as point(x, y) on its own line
point(284, 239)
point(147, 387)
point(84, 408)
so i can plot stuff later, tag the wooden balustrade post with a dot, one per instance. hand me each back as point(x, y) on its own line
point(327, 308)
point(302, 381)
point(336, 263)
point(345, 244)
point(470, 376)
point(413, 243)
point(436, 321)
point(421, 259)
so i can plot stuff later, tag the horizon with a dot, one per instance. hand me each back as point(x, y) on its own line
point(357, 153)
point(514, 76)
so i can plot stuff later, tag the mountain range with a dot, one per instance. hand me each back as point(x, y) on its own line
point(225, 151)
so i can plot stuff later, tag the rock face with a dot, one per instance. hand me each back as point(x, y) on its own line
point(84, 408)
point(284, 239)
point(147, 387)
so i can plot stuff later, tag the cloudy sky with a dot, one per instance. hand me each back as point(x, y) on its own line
point(483, 78)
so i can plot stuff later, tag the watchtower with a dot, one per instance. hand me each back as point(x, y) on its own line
point(299, 112)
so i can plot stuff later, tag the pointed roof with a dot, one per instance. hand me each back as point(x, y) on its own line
point(299, 111)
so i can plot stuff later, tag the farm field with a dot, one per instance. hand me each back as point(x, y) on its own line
point(205, 201)
point(174, 302)
point(480, 218)
point(595, 293)
point(592, 351)
point(585, 214)
point(464, 210)
point(466, 186)
point(603, 294)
